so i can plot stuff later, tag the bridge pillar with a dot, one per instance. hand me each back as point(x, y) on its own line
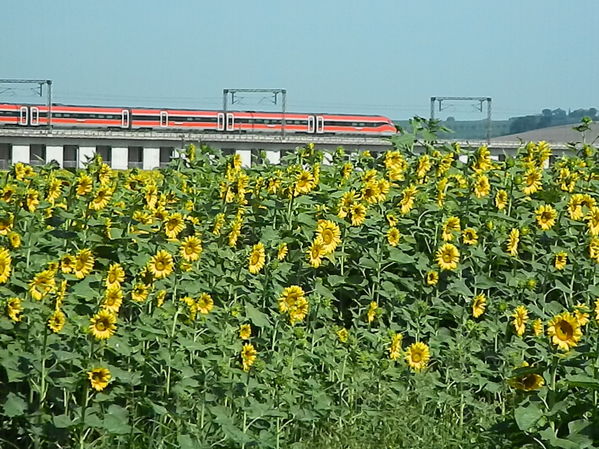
point(274, 157)
point(120, 158)
point(20, 153)
point(85, 154)
point(151, 158)
point(246, 157)
point(56, 153)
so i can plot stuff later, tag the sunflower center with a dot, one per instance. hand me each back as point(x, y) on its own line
point(564, 330)
point(160, 265)
point(447, 257)
point(416, 357)
point(101, 326)
point(327, 236)
point(255, 258)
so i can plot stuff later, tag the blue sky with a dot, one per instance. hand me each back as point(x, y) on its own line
point(385, 56)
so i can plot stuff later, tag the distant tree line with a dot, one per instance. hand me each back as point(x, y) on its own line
point(548, 118)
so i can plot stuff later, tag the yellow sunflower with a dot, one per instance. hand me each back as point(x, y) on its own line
point(532, 181)
point(173, 225)
point(14, 309)
point(561, 259)
point(282, 251)
point(84, 263)
point(191, 248)
point(103, 324)
point(448, 257)
point(316, 252)
point(160, 297)
point(42, 284)
point(520, 316)
point(14, 239)
point(84, 184)
point(257, 258)
point(470, 236)
point(395, 347)
point(357, 212)
point(304, 183)
point(115, 275)
point(546, 216)
point(140, 292)
point(32, 200)
point(418, 355)
point(289, 297)
point(330, 235)
point(205, 303)
point(501, 199)
point(56, 321)
point(594, 249)
point(564, 331)
point(432, 277)
point(451, 225)
point(113, 298)
point(479, 303)
point(482, 187)
point(537, 327)
point(5, 265)
point(527, 382)
point(343, 335)
point(372, 311)
point(245, 331)
point(6, 224)
point(101, 199)
point(248, 356)
point(67, 263)
point(99, 378)
point(408, 196)
point(161, 265)
point(512, 243)
point(593, 221)
point(393, 236)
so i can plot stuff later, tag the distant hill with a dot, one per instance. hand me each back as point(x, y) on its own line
point(553, 134)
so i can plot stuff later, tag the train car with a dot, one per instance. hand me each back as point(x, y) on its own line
point(69, 116)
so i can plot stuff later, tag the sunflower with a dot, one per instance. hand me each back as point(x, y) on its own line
point(245, 331)
point(594, 249)
point(99, 378)
point(501, 199)
point(235, 232)
point(219, 221)
point(345, 203)
point(84, 263)
point(60, 294)
point(424, 165)
point(6, 224)
point(527, 382)
point(470, 236)
point(343, 335)
point(316, 252)
point(451, 225)
point(561, 259)
point(546, 216)
point(205, 303)
point(14, 239)
point(520, 316)
point(140, 292)
point(393, 236)
point(282, 251)
point(256, 258)
point(101, 199)
point(532, 181)
point(372, 311)
point(329, 234)
point(5, 265)
point(432, 277)
point(248, 356)
point(161, 265)
point(56, 321)
point(564, 331)
point(481, 186)
point(357, 212)
point(32, 200)
point(593, 221)
point(289, 297)
point(479, 303)
point(418, 356)
point(42, 284)
point(115, 275)
point(8, 192)
point(14, 309)
point(395, 347)
point(103, 324)
point(304, 182)
point(576, 204)
point(448, 257)
point(67, 263)
point(84, 184)
point(160, 297)
point(537, 327)
point(581, 315)
point(173, 225)
point(512, 243)
point(298, 312)
point(408, 196)
point(113, 298)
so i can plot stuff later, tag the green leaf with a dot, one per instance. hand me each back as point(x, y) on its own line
point(527, 417)
point(258, 318)
point(62, 421)
point(580, 380)
point(116, 420)
point(14, 405)
point(185, 442)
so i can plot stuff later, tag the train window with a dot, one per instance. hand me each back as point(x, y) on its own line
point(70, 156)
point(166, 153)
point(105, 153)
point(136, 157)
point(101, 116)
point(5, 155)
point(37, 154)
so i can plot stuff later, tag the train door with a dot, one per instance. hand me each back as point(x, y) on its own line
point(316, 124)
point(24, 116)
point(163, 119)
point(230, 122)
point(220, 121)
point(34, 116)
point(125, 118)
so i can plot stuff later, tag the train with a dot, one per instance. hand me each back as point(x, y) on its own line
point(138, 118)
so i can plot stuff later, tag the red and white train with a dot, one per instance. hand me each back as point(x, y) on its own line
point(68, 116)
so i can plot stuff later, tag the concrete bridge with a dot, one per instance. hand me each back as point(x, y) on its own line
point(152, 149)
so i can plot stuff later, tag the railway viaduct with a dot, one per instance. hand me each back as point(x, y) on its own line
point(151, 149)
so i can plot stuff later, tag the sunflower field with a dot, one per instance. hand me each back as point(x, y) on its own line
point(408, 299)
